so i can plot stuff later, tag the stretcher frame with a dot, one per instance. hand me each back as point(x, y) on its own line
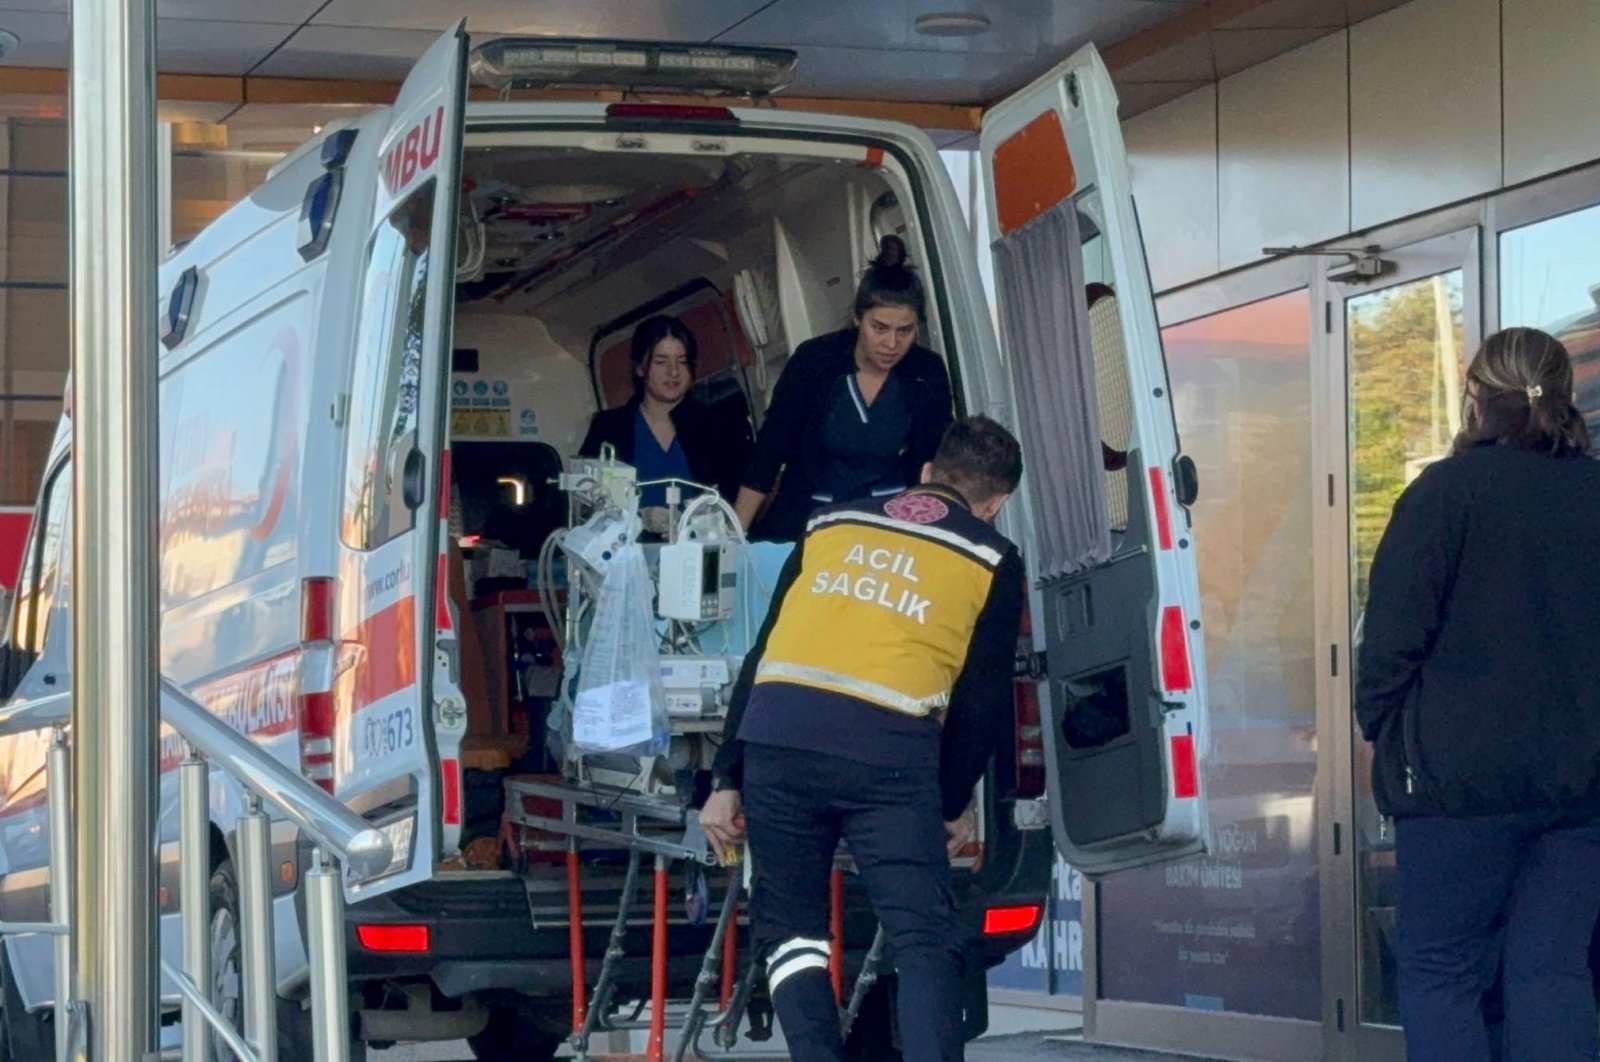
point(667, 831)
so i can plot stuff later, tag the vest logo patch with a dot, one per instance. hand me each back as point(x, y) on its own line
point(916, 509)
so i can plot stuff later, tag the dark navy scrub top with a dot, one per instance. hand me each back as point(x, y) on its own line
point(652, 462)
point(863, 444)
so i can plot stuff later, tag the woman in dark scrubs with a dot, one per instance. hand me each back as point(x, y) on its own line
point(662, 432)
point(857, 412)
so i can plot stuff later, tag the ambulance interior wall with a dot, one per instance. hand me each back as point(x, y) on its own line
point(523, 363)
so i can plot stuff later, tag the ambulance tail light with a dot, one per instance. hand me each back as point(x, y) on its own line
point(316, 610)
point(1030, 742)
point(395, 939)
point(314, 707)
point(1012, 920)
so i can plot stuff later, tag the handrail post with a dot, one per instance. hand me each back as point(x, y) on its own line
point(194, 896)
point(58, 790)
point(330, 998)
point(115, 657)
point(258, 966)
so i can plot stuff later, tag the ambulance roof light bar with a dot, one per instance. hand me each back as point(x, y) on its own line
point(718, 70)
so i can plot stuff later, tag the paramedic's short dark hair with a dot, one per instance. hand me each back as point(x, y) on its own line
point(653, 330)
point(979, 458)
point(889, 281)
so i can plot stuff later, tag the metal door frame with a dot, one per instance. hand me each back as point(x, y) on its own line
point(1420, 248)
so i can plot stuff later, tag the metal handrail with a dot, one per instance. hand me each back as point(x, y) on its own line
point(356, 849)
point(38, 713)
point(193, 996)
point(366, 852)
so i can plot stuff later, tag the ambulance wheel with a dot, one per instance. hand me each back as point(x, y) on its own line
point(24, 1036)
point(227, 977)
point(517, 1032)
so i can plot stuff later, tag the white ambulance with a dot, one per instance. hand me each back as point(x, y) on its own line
point(374, 367)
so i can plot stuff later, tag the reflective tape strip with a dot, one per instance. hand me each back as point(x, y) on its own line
point(790, 957)
point(987, 554)
point(880, 695)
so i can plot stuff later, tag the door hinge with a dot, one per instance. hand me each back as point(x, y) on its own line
point(1333, 660)
point(339, 410)
point(1338, 1014)
point(1327, 318)
point(1338, 838)
point(1331, 489)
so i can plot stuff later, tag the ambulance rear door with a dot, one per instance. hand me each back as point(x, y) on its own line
point(387, 762)
point(1113, 554)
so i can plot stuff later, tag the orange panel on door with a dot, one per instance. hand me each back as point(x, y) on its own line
point(1032, 172)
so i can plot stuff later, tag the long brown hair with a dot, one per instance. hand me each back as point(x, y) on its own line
point(1519, 394)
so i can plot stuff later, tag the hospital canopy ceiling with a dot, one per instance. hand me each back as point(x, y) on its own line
point(898, 50)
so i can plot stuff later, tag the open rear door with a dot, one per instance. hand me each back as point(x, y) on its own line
point(1113, 551)
point(388, 758)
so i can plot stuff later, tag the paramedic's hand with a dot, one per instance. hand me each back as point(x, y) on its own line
point(958, 832)
point(723, 820)
point(654, 518)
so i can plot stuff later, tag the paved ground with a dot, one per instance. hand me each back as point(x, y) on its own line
point(1022, 1047)
point(1051, 1035)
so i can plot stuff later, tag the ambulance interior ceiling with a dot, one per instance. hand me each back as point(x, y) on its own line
point(577, 239)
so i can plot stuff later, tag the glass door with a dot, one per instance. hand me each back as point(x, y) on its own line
point(1406, 338)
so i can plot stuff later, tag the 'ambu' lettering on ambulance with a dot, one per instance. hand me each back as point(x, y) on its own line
point(877, 589)
point(414, 153)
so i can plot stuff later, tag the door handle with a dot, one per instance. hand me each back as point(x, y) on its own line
point(413, 479)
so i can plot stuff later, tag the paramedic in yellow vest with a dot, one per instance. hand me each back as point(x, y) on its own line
point(867, 710)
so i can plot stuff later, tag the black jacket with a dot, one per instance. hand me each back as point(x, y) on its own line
point(980, 716)
point(716, 443)
point(1479, 668)
point(791, 436)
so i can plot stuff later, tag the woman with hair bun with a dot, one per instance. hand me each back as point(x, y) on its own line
point(857, 412)
point(1479, 688)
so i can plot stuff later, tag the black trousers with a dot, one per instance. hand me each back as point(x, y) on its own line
point(798, 805)
point(1514, 891)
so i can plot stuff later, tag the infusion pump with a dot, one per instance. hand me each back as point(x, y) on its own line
point(697, 580)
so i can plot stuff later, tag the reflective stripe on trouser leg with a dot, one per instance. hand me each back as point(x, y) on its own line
point(802, 995)
point(792, 956)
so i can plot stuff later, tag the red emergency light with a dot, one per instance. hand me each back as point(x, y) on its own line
point(683, 112)
point(1004, 921)
point(395, 938)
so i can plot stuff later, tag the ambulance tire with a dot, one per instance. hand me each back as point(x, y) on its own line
point(227, 985)
point(517, 1032)
point(23, 1036)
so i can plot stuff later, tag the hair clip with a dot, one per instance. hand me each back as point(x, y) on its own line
point(1535, 392)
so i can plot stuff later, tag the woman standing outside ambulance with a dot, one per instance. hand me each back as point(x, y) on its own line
point(856, 412)
point(1479, 687)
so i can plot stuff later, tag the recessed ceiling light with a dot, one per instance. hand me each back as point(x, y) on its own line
point(8, 43)
point(952, 24)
